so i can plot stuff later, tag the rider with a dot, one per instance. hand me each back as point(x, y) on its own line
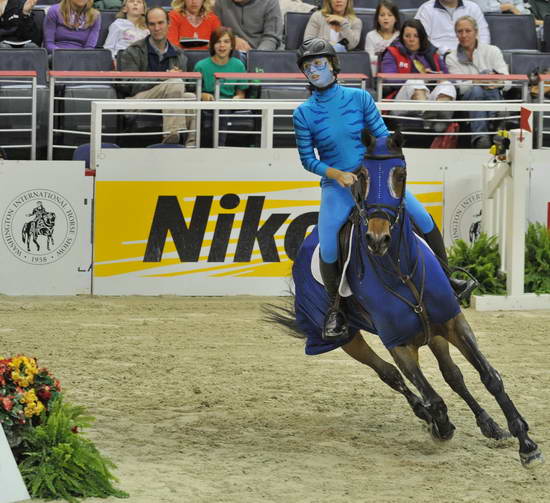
point(332, 121)
point(37, 212)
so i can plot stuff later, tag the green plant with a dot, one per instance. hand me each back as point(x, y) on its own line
point(59, 462)
point(482, 260)
point(537, 258)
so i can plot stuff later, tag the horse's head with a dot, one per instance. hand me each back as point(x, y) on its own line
point(49, 218)
point(384, 190)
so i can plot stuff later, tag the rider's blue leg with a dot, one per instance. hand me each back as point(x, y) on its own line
point(421, 217)
point(336, 204)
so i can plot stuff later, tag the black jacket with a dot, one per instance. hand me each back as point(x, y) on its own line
point(14, 26)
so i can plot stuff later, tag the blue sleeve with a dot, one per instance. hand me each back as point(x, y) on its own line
point(374, 120)
point(421, 217)
point(304, 142)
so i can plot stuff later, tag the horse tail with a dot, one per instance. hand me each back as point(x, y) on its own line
point(283, 315)
point(24, 231)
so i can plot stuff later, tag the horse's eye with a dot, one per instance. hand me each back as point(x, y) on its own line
point(396, 181)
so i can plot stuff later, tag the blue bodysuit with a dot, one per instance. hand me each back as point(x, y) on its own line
point(332, 121)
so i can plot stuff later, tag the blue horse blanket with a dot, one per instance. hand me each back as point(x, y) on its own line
point(373, 307)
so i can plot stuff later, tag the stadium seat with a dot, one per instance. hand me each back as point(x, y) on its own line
point(46, 3)
point(93, 60)
point(368, 25)
point(159, 3)
point(402, 4)
point(295, 25)
point(510, 32)
point(82, 153)
point(546, 33)
point(356, 62)
point(107, 18)
point(194, 56)
point(526, 62)
point(166, 145)
point(38, 16)
point(27, 59)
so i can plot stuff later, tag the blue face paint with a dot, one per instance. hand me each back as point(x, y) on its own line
point(319, 72)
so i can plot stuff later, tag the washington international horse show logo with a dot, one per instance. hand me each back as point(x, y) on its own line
point(39, 226)
point(466, 218)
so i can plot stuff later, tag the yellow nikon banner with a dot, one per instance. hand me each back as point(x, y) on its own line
point(208, 222)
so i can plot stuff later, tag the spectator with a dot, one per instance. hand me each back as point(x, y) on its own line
point(412, 52)
point(221, 47)
point(154, 53)
point(336, 23)
point(439, 17)
point(504, 6)
point(129, 27)
point(473, 57)
point(295, 6)
point(540, 9)
point(192, 19)
point(71, 24)
point(386, 29)
point(257, 24)
point(16, 23)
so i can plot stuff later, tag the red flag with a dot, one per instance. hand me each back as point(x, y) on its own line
point(524, 115)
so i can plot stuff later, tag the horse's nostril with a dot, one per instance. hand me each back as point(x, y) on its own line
point(386, 240)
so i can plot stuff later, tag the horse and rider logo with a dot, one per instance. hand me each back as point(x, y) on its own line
point(466, 218)
point(39, 227)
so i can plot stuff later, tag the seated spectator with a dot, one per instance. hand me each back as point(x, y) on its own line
point(16, 23)
point(412, 52)
point(192, 19)
point(504, 6)
point(71, 24)
point(473, 57)
point(295, 6)
point(540, 9)
point(387, 26)
point(221, 47)
point(257, 24)
point(128, 28)
point(439, 17)
point(336, 23)
point(154, 53)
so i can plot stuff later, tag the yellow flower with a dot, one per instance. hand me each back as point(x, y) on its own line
point(24, 370)
point(29, 397)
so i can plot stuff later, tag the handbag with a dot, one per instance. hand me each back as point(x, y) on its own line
point(448, 140)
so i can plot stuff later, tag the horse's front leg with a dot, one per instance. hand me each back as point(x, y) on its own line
point(359, 350)
point(460, 334)
point(406, 358)
point(453, 377)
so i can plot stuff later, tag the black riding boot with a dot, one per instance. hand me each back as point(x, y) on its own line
point(336, 324)
point(463, 288)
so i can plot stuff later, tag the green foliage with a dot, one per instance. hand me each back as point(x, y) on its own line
point(482, 260)
point(58, 462)
point(537, 259)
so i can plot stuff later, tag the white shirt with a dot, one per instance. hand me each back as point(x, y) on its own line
point(375, 44)
point(123, 33)
point(440, 25)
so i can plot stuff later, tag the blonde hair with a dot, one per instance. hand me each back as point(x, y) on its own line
point(326, 10)
point(141, 21)
point(91, 14)
point(205, 9)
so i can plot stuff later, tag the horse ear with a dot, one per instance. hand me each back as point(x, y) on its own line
point(368, 140)
point(396, 140)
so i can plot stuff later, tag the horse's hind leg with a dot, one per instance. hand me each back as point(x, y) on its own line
point(359, 350)
point(453, 377)
point(460, 334)
point(406, 358)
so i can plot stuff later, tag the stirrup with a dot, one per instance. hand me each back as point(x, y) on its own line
point(463, 288)
point(335, 328)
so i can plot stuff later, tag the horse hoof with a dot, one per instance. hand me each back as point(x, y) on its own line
point(492, 430)
point(531, 460)
point(440, 434)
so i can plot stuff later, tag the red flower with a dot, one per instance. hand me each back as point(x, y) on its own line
point(74, 429)
point(44, 393)
point(58, 385)
point(7, 403)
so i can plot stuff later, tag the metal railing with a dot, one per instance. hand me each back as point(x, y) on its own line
point(110, 79)
point(27, 79)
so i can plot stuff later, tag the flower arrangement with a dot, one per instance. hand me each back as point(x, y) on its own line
point(26, 395)
point(45, 433)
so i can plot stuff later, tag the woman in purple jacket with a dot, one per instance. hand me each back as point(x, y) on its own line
point(412, 52)
point(71, 24)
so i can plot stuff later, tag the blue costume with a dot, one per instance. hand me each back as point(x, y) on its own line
point(332, 121)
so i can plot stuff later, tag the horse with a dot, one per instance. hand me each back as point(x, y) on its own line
point(400, 292)
point(42, 226)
